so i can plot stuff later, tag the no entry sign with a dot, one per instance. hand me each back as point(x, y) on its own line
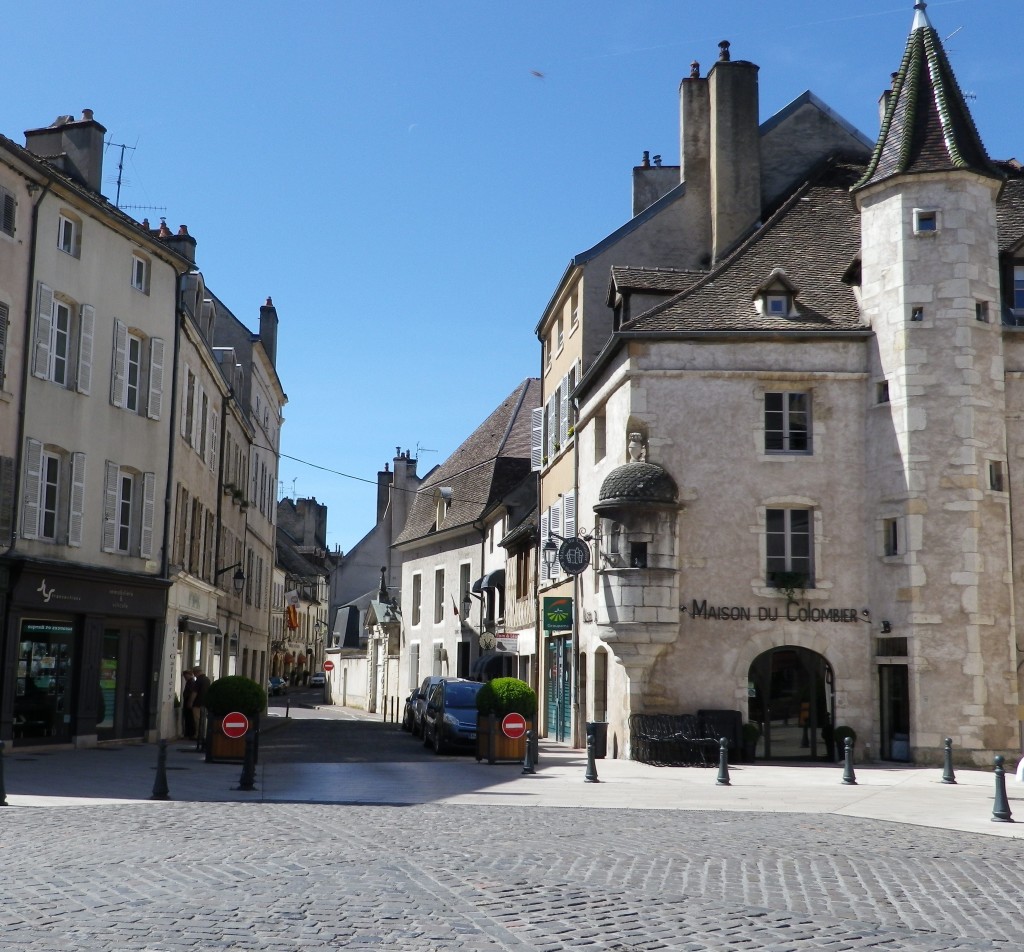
point(235, 725)
point(513, 725)
point(328, 666)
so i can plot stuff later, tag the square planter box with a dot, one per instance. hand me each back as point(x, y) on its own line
point(493, 746)
point(221, 749)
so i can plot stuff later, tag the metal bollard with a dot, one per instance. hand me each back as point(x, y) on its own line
point(3, 792)
point(287, 707)
point(591, 776)
point(247, 781)
point(947, 762)
point(160, 789)
point(528, 758)
point(1001, 806)
point(723, 763)
point(848, 775)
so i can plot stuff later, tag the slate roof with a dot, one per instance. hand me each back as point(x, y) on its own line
point(488, 464)
point(637, 484)
point(1010, 210)
point(813, 237)
point(927, 125)
point(650, 280)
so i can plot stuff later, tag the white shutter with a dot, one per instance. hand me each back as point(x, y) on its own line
point(552, 426)
point(555, 521)
point(536, 438)
point(119, 366)
point(563, 411)
point(110, 506)
point(156, 378)
point(213, 444)
point(544, 572)
point(31, 488)
point(77, 504)
point(44, 325)
point(184, 402)
point(569, 511)
point(197, 420)
point(148, 512)
point(86, 329)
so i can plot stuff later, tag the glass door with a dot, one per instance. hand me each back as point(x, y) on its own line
point(44, 684)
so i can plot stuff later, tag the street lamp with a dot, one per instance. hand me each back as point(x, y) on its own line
point(237, 580)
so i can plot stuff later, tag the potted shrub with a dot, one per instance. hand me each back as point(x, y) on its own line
point(230, 695)
point(494, 701)
point(839, 736)
point(750, 734)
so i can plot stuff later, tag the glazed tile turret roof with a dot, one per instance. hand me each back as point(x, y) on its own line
point(637, 484)
point(927, 125)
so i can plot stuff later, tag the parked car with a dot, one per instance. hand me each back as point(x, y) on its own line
point(277, 686)
point(420, 702)
point(449, 719)
point(408, 709)
point(318, 679)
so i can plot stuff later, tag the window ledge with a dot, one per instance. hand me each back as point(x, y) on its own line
point(820, 592)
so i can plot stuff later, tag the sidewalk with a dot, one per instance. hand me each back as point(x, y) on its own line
point(913, 795)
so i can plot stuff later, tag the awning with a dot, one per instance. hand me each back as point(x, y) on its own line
point(200, 627)
point(495, 579)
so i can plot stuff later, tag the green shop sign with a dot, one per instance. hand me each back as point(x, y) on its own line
point(557, 614)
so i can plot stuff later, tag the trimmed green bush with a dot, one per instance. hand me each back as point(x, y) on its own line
point(235, 693)
point(507, 696)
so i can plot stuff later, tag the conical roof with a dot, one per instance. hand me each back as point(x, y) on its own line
point(641, 485)
point(927, 125)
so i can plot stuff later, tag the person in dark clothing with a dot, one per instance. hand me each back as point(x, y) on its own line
point(202, 682)
point(188, 698)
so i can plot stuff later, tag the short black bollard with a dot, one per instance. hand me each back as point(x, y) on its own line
point(528, 758)
point(947, 763)
point(248, 779)
point(591, 776)
point(287, 707)
point(848, 775)
point(723, 763)
point(3, 792)
point(160, 789)
point(1001, 806)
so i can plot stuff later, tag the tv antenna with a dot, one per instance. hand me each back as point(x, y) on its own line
point(422, 449)
point(120, 179)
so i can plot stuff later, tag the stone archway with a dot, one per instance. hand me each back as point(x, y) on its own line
point(792, 698)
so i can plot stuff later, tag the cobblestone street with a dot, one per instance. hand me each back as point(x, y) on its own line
point(149, 877)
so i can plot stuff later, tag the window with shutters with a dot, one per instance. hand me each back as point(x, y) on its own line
point(137, 372)
point(417, 599)
point(69, 234)
point(62, 340)
point(8, 209)
point(129, 510)
point(54, 494)
point(438, 596)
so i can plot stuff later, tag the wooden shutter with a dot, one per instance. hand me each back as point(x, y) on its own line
point(148, 513)
point(44, 326)
point(77, 503)
point(545, 574)
point(87, 329)
point(119, 366)
point(156, 379)
point(555, 521)
point(110, 506)
point(183, 422)
point(563, 411)
point(7, 212)
point(7, 484)
point(4, 316)
point(30, 489)
point(213, 443)
point(197, 420)
point(569, 512)
point(536, 438)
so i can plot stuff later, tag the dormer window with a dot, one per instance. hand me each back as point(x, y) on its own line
point(926, 221)
point(777, 296)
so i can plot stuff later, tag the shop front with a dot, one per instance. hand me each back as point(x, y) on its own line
point(81, 658)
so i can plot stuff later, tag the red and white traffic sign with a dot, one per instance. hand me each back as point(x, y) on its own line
point(513, 725)
point(235, 725)
point(328, 666)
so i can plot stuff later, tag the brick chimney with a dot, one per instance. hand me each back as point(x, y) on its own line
point(268, 330)
point(75, 146)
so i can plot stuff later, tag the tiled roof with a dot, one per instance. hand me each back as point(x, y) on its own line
point(1010, 210)
point(653, 279)
point(927, 125)
point(489, 463)
point(813, 237)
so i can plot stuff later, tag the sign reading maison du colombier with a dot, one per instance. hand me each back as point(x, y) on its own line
point(793, 612)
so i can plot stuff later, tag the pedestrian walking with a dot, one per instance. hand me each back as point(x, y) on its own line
point(188, 699)
point(202, 682)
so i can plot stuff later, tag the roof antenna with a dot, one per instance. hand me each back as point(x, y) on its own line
point(422, 449)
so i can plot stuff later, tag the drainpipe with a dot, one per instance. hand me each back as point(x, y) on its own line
point(165, 560)
point(579, 739)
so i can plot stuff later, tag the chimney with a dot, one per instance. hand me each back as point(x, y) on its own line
point(384, 480)
point(735, 150)
point(403, 490)
point(183, 243)
point(75, 146)
point(268, 330)
point(694, 155)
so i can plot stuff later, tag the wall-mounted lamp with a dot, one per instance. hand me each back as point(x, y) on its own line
point(238, 579)
point(886, 628)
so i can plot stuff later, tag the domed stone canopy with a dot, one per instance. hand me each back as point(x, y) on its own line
point(637, 485)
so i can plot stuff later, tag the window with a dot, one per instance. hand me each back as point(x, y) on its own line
point(789, 547)
point(69, 236)
point(981, 311)
point(787, 423)
point(638, 555)
point(917, 313)
point(600, 438)
point(574, 308)
point(134, 361)
point(777, 304)
point(8, 207)
point(54, 494)
point(891, 531)
point(438, 596)
point(926, 221)
point(129, 508)
point(128, 371)
point(523, 574)
point(559, 332)
point(464, 569)
point(882, 392)
point(140, 274)
point(417, 599)
point(60, 325)
point(1018, 288)
point(995, 476)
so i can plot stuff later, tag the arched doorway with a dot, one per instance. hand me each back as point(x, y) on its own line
point(792, 699)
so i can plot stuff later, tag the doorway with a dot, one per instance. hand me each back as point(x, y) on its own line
point(792, 699)
point(894, 695)
point(123, 699)
point(559, 689)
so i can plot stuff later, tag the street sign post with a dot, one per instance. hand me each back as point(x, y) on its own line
point(328, 665)
point(235, 725)
point(513, 725)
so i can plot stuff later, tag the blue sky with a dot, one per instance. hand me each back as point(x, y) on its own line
point(408, 188)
